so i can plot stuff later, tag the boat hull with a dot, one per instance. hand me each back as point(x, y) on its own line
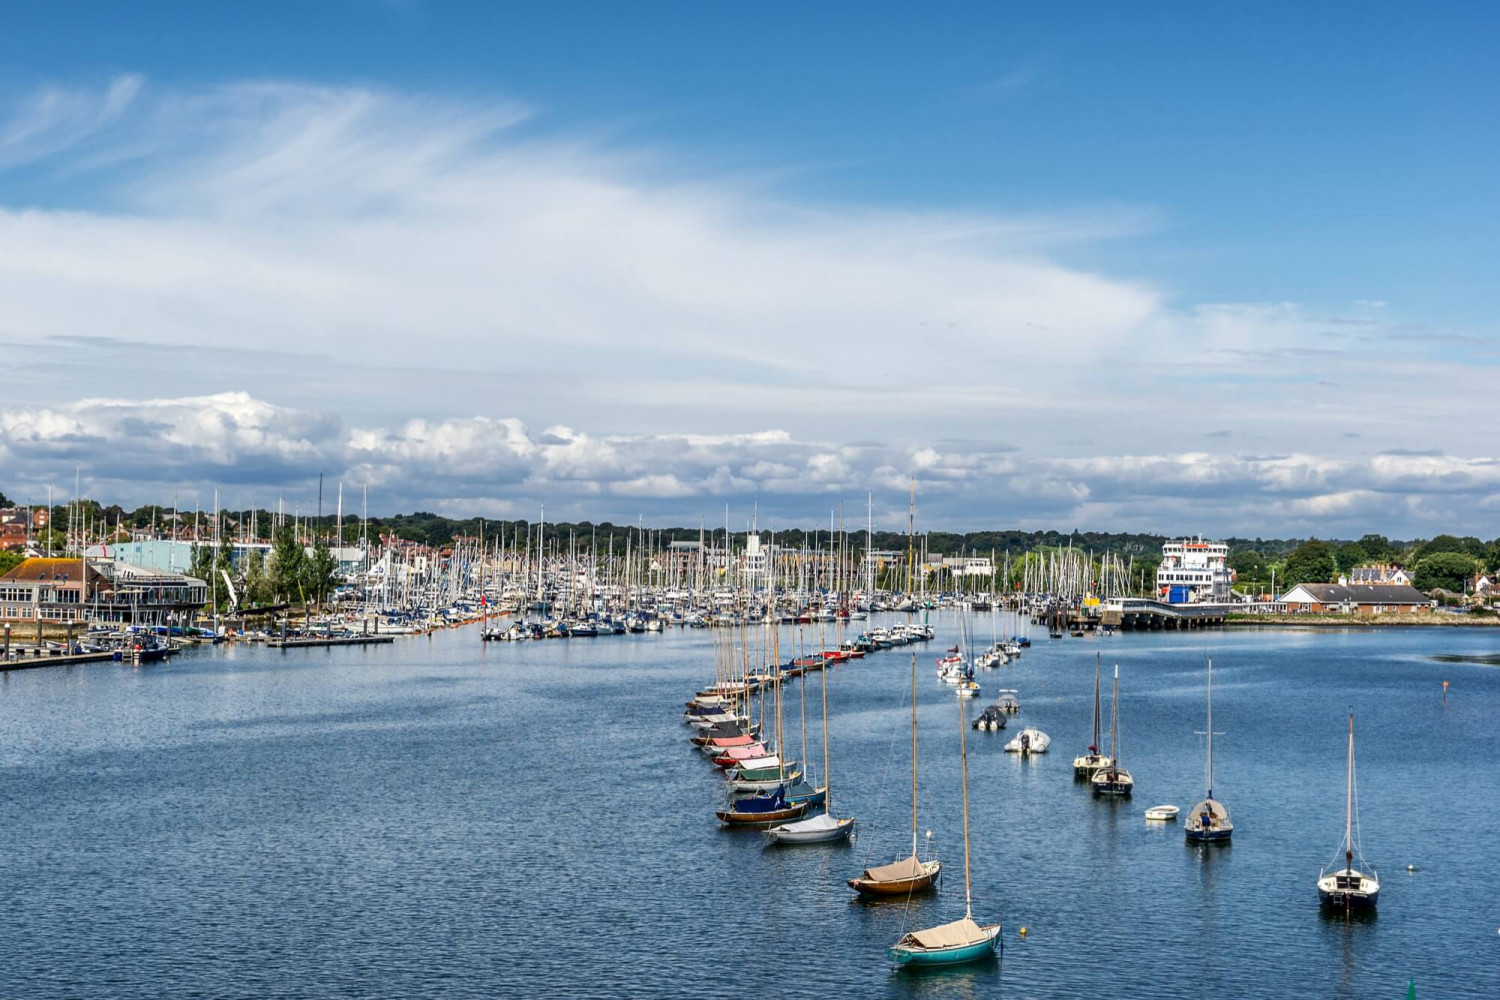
point(1207, 836)
point(958, 954)
point(731, 818)
point(900, 886)
point(841, 832)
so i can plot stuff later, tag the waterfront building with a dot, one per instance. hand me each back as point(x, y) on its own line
point(59, 591)
point(1193, 570)
point(1355, 598)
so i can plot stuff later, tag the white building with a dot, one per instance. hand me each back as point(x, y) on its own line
point(1193, 570)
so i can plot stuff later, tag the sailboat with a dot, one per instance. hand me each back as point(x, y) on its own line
point(824, 827)
point(910, 874)
point(1348, 886)
point(1085, 765)
point(962, 940)
point(1112, 779)
point(1209, 819)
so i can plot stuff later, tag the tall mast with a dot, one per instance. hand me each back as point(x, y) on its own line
point(1349, 804)
point(1114, 720)
point(1095, 746)
point(1209, 777)
point(914, 755)
point(963, 766)
point(827, 781)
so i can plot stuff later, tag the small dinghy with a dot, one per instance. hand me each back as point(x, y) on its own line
point(1162, 814)
point(761, 810)
point(1029, 741)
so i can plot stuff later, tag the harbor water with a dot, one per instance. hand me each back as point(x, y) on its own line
point(441, 817)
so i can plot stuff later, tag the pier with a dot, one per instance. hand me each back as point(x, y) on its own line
point(353, 640)
point(1143, 613)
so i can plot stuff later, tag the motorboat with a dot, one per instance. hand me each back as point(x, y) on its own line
point(1029, 741)
point(992, 719)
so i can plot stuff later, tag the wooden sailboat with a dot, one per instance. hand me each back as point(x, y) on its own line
point(962, 940)
point(909, 874)
point(1209, 819)
point(1085, 765)
point(824, 827)
point(1347, 886)
point(773, 806)
point(1113, 780)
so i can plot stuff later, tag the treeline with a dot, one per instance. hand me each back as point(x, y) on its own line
point(1446, 562)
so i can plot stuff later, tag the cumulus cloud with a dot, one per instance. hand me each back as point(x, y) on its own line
point(160, 449)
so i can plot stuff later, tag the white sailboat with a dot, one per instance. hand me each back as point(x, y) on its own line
point(1209, 819)
point(825, 827)
point(1113, 780)
point(1347, 886)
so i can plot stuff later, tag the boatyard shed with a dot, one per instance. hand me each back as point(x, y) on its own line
point(1355, 598)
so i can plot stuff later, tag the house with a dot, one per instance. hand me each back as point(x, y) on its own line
point(1380, 576)
point(1355, 598)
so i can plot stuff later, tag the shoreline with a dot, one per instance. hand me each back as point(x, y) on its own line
point(1363, 621)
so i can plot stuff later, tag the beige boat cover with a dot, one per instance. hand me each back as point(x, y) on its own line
point(960, 932)
point(905, 868)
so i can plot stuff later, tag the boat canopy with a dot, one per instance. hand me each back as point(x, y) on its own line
point(817, 824)
point(1213, 807)
point(896, 871)
point(954, 935)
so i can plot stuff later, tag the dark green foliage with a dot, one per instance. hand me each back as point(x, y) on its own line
point(1310, 562)
point(1446, 570)
point(1349, 555)
point(10, 560)
point(320, 572)
point(5, 501)
point(1249, 566)
point(286, 570)
point(1378, 549)
point(202, 565)
point(1468, 545)
point(1492, 556)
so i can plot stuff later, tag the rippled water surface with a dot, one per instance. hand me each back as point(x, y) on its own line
point(440, 817)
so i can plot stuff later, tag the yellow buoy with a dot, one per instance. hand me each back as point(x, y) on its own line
point(1023, 932)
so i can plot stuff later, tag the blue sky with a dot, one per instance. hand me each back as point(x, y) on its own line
point(1180, 234)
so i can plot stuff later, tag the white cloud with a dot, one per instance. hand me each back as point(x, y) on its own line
point(161, 449)
point(450, 275)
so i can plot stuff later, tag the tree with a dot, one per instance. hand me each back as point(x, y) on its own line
point(320, 572)
point(10, 560)
point(1446, 570)
point(1350, 555)
point(1468, 545)
point(1378, 548)
point(5, 501)
point(1249, 566)
point(202, 564)
point(1311, 562)
point(258, 589)
point(286, 568)
point(1492, 556)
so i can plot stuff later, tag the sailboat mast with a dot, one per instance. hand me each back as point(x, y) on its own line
point(1209, 776)
point(914, 755)
point(1349, 804)
point(1095, 744)
point(827, 781)
point(963, 762)
point(1114, 720)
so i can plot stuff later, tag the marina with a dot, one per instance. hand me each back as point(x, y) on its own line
point(417, 749)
